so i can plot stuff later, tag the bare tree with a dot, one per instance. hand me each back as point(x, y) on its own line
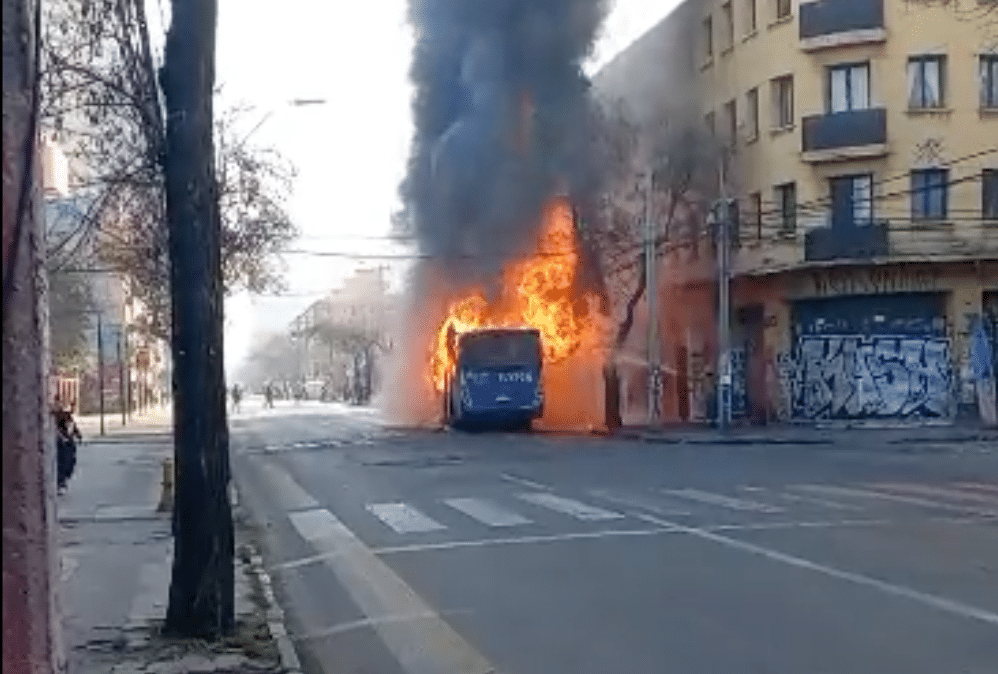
point(101, 99)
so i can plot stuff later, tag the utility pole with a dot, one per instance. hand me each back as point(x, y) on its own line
point(201, 587)
point(121, 378)
point(651, 291)
point(100, 368)
point(32, 640)
point(722, 221)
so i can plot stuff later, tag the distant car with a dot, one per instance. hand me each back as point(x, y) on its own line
point(496, 381)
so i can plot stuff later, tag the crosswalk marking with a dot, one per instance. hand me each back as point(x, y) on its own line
point(637, 501)
point(722, 500)
point(898, 498)
point(938, 491)
point(487, 512)
point(568, 506)
point(798, 498)
point(403, 519)
point(980, 486)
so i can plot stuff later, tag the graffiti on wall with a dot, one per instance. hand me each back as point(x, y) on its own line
point(739, 382)
point(853, 376)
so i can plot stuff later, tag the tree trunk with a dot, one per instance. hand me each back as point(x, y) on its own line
point(31, 625)
point(201, 588)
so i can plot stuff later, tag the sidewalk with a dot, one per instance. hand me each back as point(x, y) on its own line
point(882, 436)
point(116, 554)
point(151, 421)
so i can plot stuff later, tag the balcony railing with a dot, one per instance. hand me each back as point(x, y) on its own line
point(854, 133)
point(830, 17)
point(902, 239)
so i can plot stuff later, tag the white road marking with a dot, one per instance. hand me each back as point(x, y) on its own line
point(289, 494)
point(637, 501)
point(312, 524)
point(722, 500)
point(571, 507)
point(936, 491)
point(523, 481)
point(871, 494)
point(403, 519)
point(813, 500)
point(614, 533)
point(983, 486)
point(427, 645)
point(937, 602)
point(487, 512)
point(369, 622)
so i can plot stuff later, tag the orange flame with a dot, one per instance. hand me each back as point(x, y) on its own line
point(537, 292)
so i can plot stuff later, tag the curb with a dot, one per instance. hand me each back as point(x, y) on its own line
point(275, 620)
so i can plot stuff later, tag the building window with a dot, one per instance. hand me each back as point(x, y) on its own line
point(929, 194)
point(926, 81)
point(708, 38)
point(989, 194)
point(786, 200)
point(755, 212)
point(708, 122)
point(849, 87)
point(752, 113)
point(852, 200)
point(731, 120)
point(783, 101)
point(989, 81)
point(784, 8)
point(728, 27)
point(750, 17)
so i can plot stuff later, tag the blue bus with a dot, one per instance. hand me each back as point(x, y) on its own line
point(496, 380)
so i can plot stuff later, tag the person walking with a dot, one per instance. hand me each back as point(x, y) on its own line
point(67, 435)
point(237, 396)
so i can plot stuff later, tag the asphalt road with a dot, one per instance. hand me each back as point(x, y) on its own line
point(414, 552)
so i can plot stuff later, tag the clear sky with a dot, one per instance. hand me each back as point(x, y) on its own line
point(350, 152)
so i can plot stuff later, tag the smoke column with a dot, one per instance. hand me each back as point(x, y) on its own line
point(501, 110)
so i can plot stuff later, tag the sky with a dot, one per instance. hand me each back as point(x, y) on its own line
point(350, 152)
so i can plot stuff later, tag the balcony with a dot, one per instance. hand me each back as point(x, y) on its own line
point(903, 239)
point(836, 243)
point(834, 23)
point(844, 135)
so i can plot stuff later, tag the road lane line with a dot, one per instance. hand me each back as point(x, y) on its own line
point(797, 498)
point(487, 512)
point(523, 481)
point(369, 622)
point(721, 500)
point(403, 519)
point(935, 601)
point(424, 646)
point(898, 498)
point(981, 486)
point(637, 501)
point(571, 507)
point(290, 495)
point(623, 533)
point(927, 490)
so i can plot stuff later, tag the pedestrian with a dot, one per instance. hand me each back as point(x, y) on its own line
point(268, 395)
point(237, 396)
point(67, 435)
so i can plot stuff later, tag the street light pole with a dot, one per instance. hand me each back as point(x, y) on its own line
point(723, 223)
point(651, 291)
point(100, 367)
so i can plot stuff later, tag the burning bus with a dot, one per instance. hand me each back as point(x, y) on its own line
point(496, 378)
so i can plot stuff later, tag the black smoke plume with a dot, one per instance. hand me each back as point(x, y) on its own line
point(502, 116)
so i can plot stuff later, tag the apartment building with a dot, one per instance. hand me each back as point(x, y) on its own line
point(859, 140)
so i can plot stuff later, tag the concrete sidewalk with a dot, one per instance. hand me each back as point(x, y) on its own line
point(894, 437)
point(116, 555)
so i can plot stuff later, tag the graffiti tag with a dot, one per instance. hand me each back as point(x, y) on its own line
point(849, 377)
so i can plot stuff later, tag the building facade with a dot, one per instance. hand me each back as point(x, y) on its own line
point(858, 140)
